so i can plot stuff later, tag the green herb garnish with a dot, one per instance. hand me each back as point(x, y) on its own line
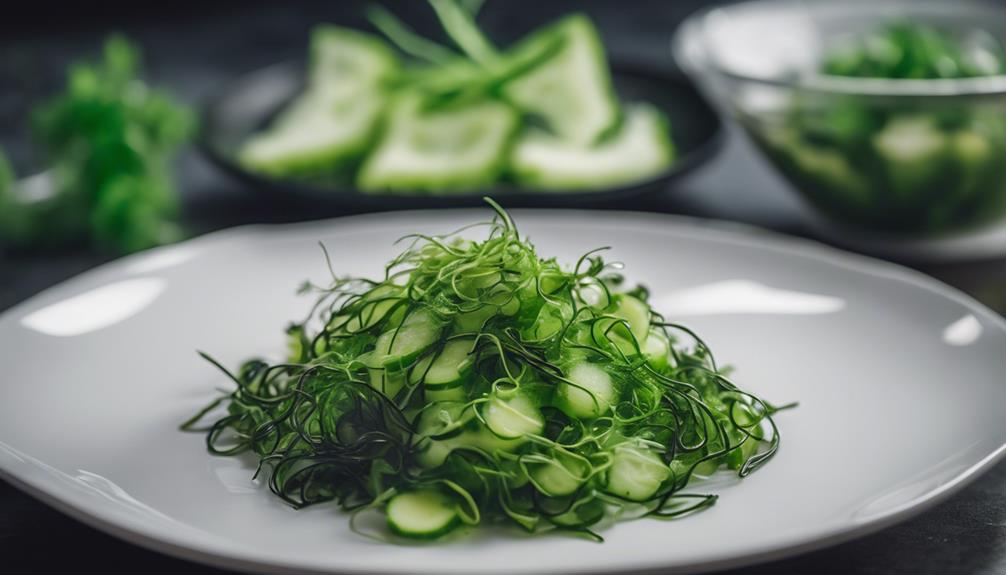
point(110, 139)
point(477, 383)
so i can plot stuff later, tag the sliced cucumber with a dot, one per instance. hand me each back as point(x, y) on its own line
point(423, 514)
point(974, 154)
point(558, 477)
point(914, 150)
point(636, 472)
point(636, 314)
point(829, 169)
point(737, 456)
point(456, 424)
point(486, 440)
point(440, 394)
point(592, 395)
point(514, 417)
point(452, 365)
point(432, 453)
point(444, 374)
point(315, 133)
point(444, 419)
point(347, 61)
point(472, 321)
point(549, 322)
point(586, 511)
point(332, 123)
point(571, 90)
point(388, 382)
point(444, 149)
point(502, 302)
point(397, 348)
point(971, 148)
point(657, 349)
point(640, 149)
point(371, 310)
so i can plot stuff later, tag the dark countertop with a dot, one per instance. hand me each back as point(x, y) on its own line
point(193, 49)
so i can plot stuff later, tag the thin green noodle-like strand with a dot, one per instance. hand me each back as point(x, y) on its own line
point(321, 431)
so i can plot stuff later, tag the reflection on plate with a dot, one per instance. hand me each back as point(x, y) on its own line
point(898, 379)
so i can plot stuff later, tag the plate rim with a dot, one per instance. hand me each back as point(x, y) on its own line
point(726, 232)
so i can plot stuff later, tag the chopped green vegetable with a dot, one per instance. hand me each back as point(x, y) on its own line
point(444, 120)
point(640, 149)
point(315, 134)
point(423, 514)
point(332, 124)
point(346, 61)
point(572, 90)
point(461, 147)
point(909, 164)
point(394, 399)
point(110, 139)
point(911, 50)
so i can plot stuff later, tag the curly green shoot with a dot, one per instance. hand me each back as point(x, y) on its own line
point(477, 383)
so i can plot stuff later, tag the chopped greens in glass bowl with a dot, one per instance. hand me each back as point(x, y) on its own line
point(888, 117)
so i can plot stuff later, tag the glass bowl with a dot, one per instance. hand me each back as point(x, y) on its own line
point(913, 158)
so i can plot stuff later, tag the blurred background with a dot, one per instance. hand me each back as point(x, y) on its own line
point(194, 50)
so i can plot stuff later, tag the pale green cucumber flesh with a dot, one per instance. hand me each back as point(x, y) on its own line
point(514, 417)
point(448, 149)
point(636, 472)
point(640, 149)
point(423, 514)
point(571, 90)
point(592, 394)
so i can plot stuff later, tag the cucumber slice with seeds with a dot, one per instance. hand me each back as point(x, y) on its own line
point(514, 417)
point(444, 149)
point(657, 349)
point(453, 423)
point(640, 149)
point(637, 313)
point(399, 347)
point(387, 381)
point(558, 477)
point(344, 60)
point(636, 472)
point(454, 391)
point(374, 306)
point(451, 365)
point(571, 91)
point(332, 123)
point(424, 514)
point(316, 133)
point(915, 152)
point(632, 339)
point(592, 395)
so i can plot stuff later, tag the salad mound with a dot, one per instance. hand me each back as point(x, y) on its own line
point(479, 383)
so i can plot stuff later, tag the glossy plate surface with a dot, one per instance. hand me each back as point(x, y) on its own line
point(899, 380)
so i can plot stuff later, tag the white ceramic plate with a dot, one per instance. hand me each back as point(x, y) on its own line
point(899, 380)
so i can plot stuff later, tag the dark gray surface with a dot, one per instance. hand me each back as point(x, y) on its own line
point(193, 50)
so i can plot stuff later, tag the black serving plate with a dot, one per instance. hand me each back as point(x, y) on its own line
point(248, 103)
